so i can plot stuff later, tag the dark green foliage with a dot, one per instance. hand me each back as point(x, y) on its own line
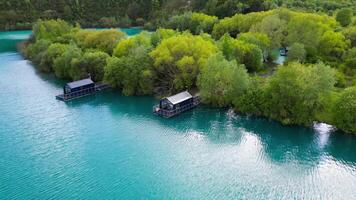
point(344, 16)
point(19, 14)
point(131, 73)
point(92, 63)
point(253, 101)
point(194, 22)
point(344, 110)
point(63, 64)
point(131, 68)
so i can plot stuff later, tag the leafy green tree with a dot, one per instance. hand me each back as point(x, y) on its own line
point(345, 109)
point(253, 101)
point(259, 39)
point(245, 53)
point(92, 63)
point(350, 34)
point(332, 46)
point(103, 40)
point(62, 65)
point(35, 51)
point(161, 34)
point(293, 93)
point(350, 59)
point(125, 47)
point(221, 81)
point(132, 73)
point(50, 29)
point(274, 27)
point(297, 52)
point(178, 59)
point(344, 16)
point(52, 52)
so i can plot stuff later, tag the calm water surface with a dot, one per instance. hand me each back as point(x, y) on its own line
point(112, 147)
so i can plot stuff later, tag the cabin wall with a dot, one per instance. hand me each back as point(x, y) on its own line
point(83, 87)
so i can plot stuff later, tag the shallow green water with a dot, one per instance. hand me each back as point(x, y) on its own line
point(112, 147)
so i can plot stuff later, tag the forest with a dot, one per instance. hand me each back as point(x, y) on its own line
point(20, 14)
point(230, 61)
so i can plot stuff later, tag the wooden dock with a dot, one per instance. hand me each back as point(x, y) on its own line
point(82, 93)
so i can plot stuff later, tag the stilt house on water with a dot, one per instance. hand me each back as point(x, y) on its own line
point(174, 105)
point(79, 89)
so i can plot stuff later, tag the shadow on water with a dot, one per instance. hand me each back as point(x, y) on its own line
point(282, 144)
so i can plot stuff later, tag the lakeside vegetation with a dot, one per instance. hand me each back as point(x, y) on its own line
point(20, 14)
point(230, 61)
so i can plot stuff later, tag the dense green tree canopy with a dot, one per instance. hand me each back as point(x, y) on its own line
point(344, 16)
point(345, 109)
point(221, 81)
point(178, 60)
point(293, 92)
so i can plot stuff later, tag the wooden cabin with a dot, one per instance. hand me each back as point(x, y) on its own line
point(78, 86)
point(174, 105)
point(81, 88)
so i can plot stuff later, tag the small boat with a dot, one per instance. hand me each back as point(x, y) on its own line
point(171, 106)
point(81, 88)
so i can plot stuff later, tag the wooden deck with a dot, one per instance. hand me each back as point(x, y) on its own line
point(171, 113)
point(82, 93)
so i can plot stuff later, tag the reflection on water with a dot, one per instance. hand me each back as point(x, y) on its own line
point(111, 146)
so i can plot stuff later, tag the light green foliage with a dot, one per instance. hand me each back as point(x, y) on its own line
point(221, 81)
point(195, 22)
point(92, 63)
point(305, 31)
point(161, 34)
point(345, 109)
point(62, 65)
point(245, 53)
point(293, 93)
point(259, 39)
point(297, 53)
point(178, 59)
point(203, 23)
point(51, 29)
point(344, 16)
point(332, 46)
point(103, 40)
point(125, 47)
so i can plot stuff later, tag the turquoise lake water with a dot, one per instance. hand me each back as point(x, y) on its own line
point(109, 146)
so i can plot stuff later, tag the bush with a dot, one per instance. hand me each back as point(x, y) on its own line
point(293, 92)
point(178, 59)
point(220, 81)
point(345, 109)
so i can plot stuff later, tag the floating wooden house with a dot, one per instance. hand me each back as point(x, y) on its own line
point(174, 105)
point(79, 89)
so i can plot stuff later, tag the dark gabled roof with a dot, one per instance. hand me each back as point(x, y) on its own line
point(80, 83)
point(178, 98)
